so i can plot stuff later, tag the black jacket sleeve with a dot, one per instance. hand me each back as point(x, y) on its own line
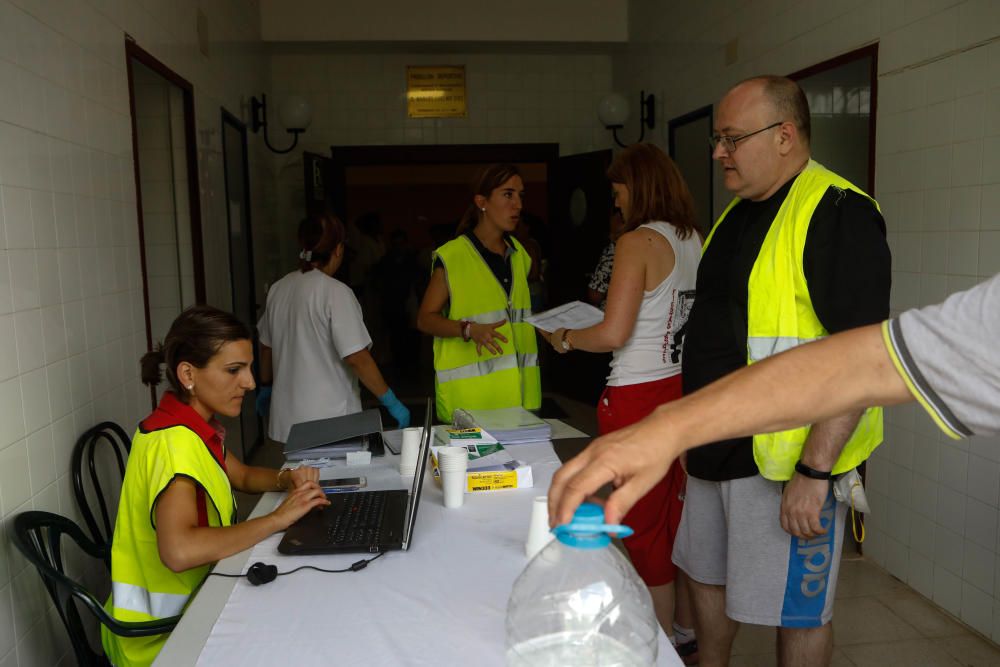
point(847, 262)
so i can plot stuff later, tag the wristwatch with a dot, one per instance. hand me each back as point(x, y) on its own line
point(811, 473)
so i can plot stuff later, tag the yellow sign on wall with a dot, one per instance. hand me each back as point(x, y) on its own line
point(435, 92)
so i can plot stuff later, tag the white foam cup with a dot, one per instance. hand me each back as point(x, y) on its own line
point(452, 463)
point(452, 456)
point(539, 534)
point(409, 450)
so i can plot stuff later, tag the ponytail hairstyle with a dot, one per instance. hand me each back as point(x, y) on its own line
point(657, 191)
point(319, 236)
point(489, 179)
point(195, 337)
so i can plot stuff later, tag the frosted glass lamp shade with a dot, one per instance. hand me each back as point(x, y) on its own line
point(295, 113)
point(613, 110)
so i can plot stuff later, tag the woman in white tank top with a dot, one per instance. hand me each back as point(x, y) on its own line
point(648, 301)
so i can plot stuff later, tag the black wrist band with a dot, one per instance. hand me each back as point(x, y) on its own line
point(811, 473)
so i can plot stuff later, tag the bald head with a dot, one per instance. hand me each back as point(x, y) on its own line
point(785, 98)
point(766, 119)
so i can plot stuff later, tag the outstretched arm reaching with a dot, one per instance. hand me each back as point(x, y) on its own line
point(811, 383)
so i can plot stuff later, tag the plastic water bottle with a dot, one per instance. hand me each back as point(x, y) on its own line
point(580, 602)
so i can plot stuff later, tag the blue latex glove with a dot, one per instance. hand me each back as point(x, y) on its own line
point(263, 400)
point(395, 408)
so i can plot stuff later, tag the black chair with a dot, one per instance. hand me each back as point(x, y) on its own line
point(86, 451)
point(39, 537)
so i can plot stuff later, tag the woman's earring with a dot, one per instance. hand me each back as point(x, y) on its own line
point(483, 209)
point(190, 387)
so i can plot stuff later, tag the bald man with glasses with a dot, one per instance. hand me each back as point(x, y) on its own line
point(799, 254)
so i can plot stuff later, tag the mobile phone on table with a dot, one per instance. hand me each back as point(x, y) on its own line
point(342, 484)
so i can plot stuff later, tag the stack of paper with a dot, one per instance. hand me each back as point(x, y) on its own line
point(572, 315)
point(461, 437)
point(491, 468)
point(333, 451)
point(511, 426)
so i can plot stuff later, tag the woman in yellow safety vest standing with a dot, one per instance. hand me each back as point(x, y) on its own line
point(485, 354)
point(177, 510)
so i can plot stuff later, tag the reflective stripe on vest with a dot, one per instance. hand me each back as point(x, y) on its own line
point(527, 360)
point(780, 316)
point(463, 377)
point(478, 369)
point(143, 588)
point(136, 598)
point(487, 366)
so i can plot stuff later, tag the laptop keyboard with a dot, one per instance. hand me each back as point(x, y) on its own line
point(358, 519)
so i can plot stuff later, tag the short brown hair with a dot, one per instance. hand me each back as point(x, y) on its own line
point(788, 100)
point(319, 236)
point(195, 336)
point(657, 191)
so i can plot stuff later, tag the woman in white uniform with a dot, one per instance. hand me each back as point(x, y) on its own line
point(314, 344)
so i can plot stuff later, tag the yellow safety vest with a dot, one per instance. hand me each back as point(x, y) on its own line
point(780, 316)
point(463, 379)
point(142, 587)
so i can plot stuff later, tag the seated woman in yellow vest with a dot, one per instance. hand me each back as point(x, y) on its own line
point(485, 354)
point(177, 511)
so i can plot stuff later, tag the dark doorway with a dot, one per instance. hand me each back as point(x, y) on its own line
point(400, 203)
point(245, 306)
point(689, 148)
point(581, 208)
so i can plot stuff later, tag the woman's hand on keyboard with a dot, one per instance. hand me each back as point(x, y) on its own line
point(304, 497)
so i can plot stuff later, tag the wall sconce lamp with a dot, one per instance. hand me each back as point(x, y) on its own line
point(613, 112)
point(294, 113)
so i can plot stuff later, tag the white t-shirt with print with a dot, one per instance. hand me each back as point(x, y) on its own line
point(311, 322)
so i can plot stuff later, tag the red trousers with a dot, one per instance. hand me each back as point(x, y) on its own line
point(657, 514)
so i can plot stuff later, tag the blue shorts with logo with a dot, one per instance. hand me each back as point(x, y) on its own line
point(730, 535)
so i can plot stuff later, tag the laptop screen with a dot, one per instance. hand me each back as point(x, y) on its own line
point(418, 476)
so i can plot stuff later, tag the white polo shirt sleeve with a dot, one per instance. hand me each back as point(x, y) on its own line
point(347, 324)
point(948, 356)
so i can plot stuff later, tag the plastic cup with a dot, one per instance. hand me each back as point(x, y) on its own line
point(451, 456)
point(539, 534)
point(412, 435)
point(453, 465)
point(409, 450)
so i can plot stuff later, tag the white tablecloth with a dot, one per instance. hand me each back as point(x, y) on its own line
point(443, 602)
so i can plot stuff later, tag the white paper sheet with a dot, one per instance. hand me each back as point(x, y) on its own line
point(572, 315)
point(561, 430)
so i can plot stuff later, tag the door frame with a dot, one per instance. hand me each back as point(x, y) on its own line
point(233, 121)
point(870, 51)
point(240, 126)
point(355, 156)
point(134, 51)
point(672, 127)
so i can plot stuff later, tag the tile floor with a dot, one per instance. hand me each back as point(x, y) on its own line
point(880, 621)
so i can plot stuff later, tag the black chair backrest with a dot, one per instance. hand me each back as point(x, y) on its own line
point(39, 537)
point(85, 453)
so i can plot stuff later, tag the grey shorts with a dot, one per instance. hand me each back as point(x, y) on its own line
point(730, 535)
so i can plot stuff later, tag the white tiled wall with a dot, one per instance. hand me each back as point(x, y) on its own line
point(935, 501)
point(71, 319)
point(360, 99)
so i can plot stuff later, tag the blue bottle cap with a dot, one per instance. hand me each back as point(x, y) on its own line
point(588, 530)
